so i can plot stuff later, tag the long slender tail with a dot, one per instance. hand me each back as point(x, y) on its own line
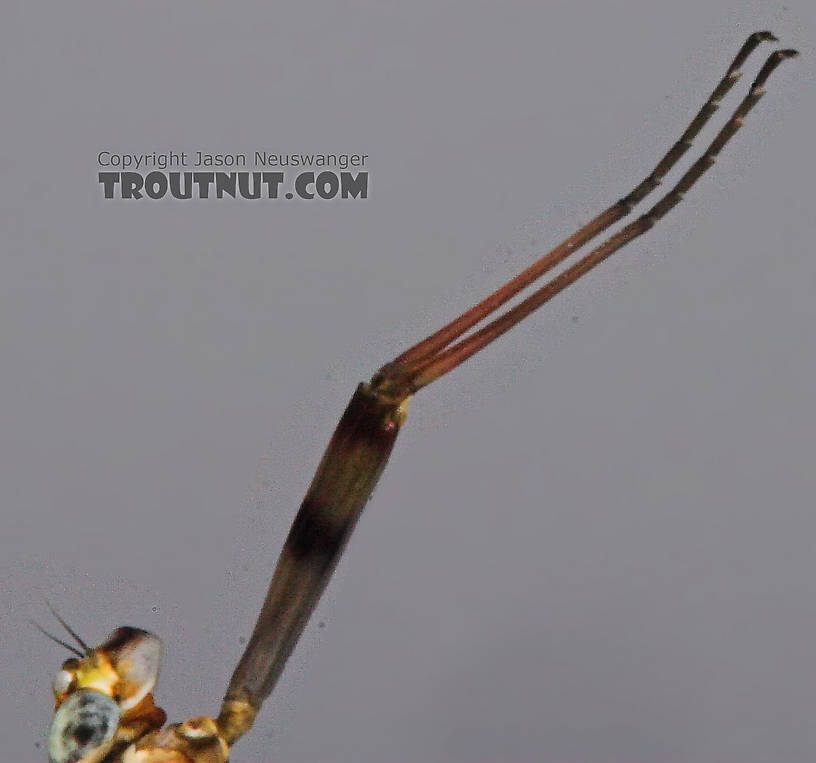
point(437, 354)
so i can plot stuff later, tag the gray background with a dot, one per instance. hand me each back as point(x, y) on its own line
point(594, 543)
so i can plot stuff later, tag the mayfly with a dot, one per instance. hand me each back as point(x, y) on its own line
point(105, 711)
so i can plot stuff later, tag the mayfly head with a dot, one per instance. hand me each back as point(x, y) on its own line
point(102, 698)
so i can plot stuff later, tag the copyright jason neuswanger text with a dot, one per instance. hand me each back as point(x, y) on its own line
point(256, 175)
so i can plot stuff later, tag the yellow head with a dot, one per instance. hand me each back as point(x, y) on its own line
point(102, 699)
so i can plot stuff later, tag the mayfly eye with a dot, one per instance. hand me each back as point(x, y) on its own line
point(62, 682)
point(84, 722)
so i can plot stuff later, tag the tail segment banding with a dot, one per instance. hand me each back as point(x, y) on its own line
point(436, 355)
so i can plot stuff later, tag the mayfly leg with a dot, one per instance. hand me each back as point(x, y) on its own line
point(361, 444)
point(620, 209)
point(429, 366)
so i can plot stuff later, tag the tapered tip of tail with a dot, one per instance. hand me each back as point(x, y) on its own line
point(776, 58)
point(749, 46)
point(764, 36)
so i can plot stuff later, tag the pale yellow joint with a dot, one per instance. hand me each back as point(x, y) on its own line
point(402, 410)
point(197, 729)
point(389, 391)
point(235, 719)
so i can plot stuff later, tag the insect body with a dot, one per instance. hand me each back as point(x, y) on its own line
point(105, 711)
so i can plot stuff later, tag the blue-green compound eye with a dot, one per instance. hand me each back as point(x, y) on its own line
point(84, 722)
